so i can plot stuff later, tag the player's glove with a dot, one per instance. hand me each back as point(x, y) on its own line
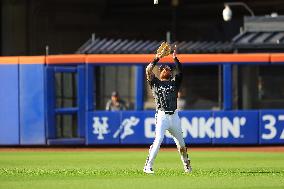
point(164, 50)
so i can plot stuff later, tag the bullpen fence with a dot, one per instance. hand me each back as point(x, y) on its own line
point(28, 109)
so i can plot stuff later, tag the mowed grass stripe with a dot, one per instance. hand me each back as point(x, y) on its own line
point(137, 172)
point(122, 169)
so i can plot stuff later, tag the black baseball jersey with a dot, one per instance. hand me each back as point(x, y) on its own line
point(165, 92)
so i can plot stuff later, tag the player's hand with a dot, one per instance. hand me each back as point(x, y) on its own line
point(158, 55)
point(175, 52)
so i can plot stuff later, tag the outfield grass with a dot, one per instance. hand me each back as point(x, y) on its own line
point(98, 169)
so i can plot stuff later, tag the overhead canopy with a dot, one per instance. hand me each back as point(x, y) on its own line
point(260, 40)
point(127, 46)
point(261, 33)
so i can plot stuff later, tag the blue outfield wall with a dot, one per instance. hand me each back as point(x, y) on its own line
point(9, 105)
point(32, 114)
point(199, 127)
point(22, 103)
point(27, 104)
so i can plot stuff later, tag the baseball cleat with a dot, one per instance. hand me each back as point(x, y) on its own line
point(148, 170)
point(187, 169)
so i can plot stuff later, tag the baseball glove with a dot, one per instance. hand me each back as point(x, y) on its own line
point(164, 49)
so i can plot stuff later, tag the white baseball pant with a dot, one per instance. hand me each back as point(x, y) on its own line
point(165, 122)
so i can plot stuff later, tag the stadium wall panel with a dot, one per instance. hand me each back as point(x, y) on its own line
point(32, 107)
point(32, 113)
point(9, 103)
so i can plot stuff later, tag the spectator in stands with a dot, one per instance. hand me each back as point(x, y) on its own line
point(181, 102)
point(115, 103)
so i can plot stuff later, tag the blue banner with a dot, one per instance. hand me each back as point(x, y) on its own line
point(102, 126)
point(199, 127)
point(137, 127)
point(271, 127)
point(195, 125)
point(235, 127)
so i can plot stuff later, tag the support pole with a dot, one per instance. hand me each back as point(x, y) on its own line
point(227, 87)
point(139, 91)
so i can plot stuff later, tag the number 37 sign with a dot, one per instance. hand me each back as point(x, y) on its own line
point(271, 127)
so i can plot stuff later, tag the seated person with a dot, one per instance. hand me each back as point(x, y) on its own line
point(115, 103)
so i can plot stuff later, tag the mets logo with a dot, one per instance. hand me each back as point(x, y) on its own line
point(125, 129)
point(100, 126)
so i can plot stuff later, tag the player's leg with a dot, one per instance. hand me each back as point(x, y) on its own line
point(161, 126)
point(176, 131)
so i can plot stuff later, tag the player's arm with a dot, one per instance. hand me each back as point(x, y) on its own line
point(178, 65)
point(150, 67)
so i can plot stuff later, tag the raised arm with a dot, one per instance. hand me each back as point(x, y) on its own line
point(178, 66)
point(150, 67)
point(177, 62)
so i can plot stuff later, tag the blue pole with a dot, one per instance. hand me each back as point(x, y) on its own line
point(81, 100)
point(90, 87)
point(227, 87)
point(90, 96)
point(50, 102)
point(139, 87)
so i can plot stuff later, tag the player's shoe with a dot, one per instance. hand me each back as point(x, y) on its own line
point(148, 170)
point(187, 169)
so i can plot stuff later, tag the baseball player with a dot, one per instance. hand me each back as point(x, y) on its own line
point(165, 92)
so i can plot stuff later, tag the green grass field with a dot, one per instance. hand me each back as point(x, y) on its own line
point(123, 169)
